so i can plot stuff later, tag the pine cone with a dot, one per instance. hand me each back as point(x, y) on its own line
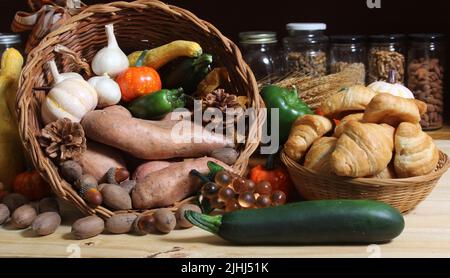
point(221, 100)
point(63, 140)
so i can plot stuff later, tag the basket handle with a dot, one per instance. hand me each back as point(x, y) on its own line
point(76, 58)
point(47, 16)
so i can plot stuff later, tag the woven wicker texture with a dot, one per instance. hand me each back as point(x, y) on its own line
point(138, 25)
point(403, 194)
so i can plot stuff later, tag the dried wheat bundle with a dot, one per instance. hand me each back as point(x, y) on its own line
point(314, 90)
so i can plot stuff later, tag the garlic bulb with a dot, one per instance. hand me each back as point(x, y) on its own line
point(110, 60)
point(59, 77)
point(70, 98)
point(108, 90)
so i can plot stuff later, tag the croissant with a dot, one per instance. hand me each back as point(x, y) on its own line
point(386, 174)
point(305, 131)
point(392, 110)
point(422, 106)
point(415, 152)
point(353, 99)
point(341, 126)
point(318, 157)
point(363, 150)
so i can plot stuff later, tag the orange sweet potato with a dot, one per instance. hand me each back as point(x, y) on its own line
point(98, 159)
point(149, 167)
point(149, 140)
point(170, 185)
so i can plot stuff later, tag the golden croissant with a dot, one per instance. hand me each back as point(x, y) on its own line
point(415, 152)
point(392, 110)
point(386, 174)
point(352, 99)
point(318, 157)
point(305, 131)
point(341, 126)
point(363, 150)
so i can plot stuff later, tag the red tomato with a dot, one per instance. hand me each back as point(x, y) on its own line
point(318, 112)
point(138, 81)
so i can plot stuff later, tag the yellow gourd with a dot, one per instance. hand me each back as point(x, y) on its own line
point(11, 158)
point(158, 57)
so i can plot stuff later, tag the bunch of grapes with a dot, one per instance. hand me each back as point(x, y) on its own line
point(231, 192)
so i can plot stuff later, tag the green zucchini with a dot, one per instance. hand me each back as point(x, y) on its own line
point(313, 222)
point(186, 73)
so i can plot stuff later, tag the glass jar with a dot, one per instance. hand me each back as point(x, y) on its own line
point(261, 53)
point(386, 52)
point(349, 51)
point(10, 40)
point(426, 68)
point(306, 48)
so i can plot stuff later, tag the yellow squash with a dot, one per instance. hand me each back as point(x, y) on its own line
point(11, 152)
point(158, 57)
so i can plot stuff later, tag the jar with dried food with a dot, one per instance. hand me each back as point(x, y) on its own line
point(426, 70)
point(386, 52)
point(346, 51)
point(260, 51)
point(306, 48)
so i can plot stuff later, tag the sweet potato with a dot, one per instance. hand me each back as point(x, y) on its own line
point(148, 140)
point(170, 185)
point(98, 159)
point(149, 167)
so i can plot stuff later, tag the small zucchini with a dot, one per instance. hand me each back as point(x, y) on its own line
point(186, 73)
point(158, 57)
point(313, 222)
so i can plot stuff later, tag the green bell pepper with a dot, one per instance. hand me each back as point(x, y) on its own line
point(156, 105)
point(290, 107)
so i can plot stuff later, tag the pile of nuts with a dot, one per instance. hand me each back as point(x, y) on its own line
point(382, 61)
point(310, 63)
point(425, 79)
point(42, 217)
point(161, 221)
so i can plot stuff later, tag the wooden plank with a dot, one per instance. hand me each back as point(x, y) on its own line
point(441, 134)
point(427, 234)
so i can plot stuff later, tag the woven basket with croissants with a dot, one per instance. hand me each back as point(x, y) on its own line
point(376, 149)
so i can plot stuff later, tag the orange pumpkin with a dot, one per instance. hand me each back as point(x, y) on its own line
point(32, 186)
point(138, 81)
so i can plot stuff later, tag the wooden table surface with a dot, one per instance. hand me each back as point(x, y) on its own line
point(427, 234)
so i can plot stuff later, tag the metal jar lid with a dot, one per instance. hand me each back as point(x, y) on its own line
point(427, 37)
point(348, 39)
point(309, 26)
point(8, 39)
point(258, 37)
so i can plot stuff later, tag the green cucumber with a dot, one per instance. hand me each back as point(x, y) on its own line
point(313, 222)
point(186, 73)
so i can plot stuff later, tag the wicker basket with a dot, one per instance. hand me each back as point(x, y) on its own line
point(138, 25)
point(403, 194)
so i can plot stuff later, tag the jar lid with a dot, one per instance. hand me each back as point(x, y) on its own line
point(7, 38)
point(348, 39)
point(257, 37)
point(306, 27)
point(387, 38)
point(430, 37)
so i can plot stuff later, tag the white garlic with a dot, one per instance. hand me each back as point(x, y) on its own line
point(59, 77)
point(108, 90)
point(110, 60)
point(70, 97)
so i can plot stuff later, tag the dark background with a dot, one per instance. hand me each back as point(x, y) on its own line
point(341, 16)
point(344, 16)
